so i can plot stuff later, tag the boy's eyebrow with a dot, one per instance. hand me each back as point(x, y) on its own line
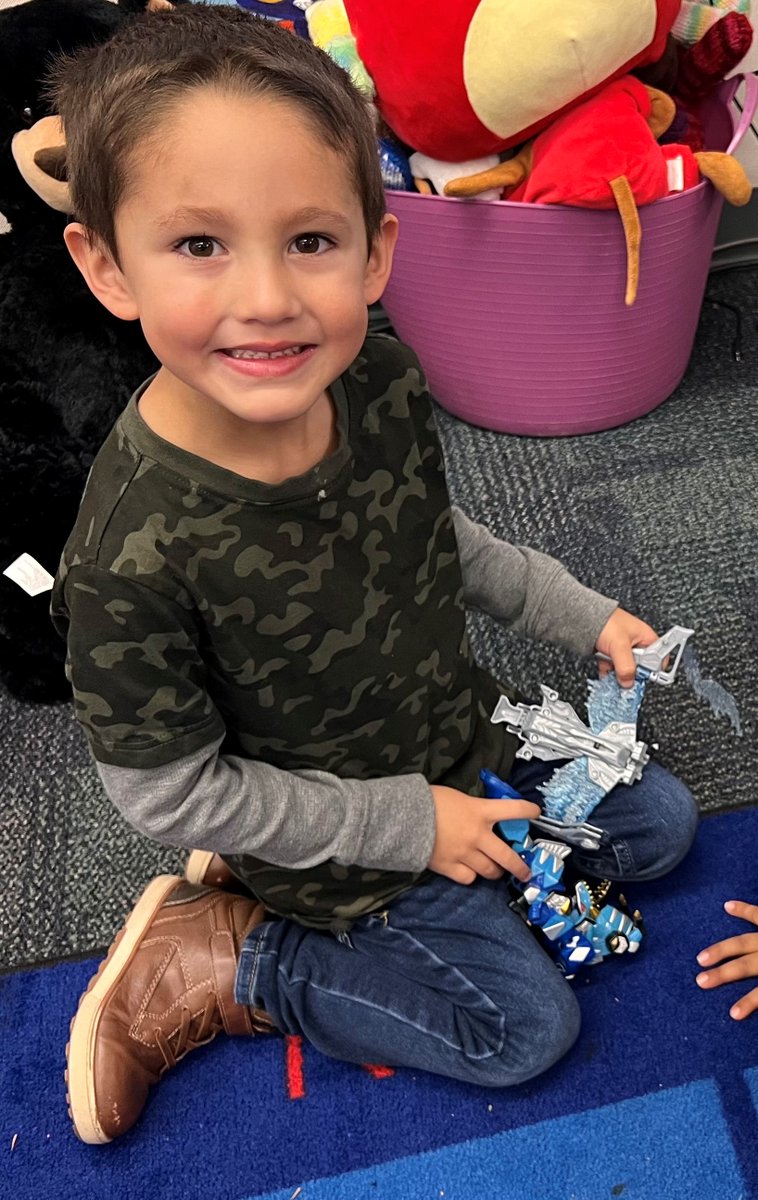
point(192, 216)
point(306, 216)
point(215, 217)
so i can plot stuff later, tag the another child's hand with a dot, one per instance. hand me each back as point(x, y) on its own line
point(465, 844)
point(620, 634)
point(742, 951)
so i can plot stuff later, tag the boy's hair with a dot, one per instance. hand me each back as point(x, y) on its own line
point(111, 97)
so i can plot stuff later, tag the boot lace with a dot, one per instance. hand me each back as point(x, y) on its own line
point(205, 1032)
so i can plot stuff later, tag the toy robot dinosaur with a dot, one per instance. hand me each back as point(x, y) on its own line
point(580, 929)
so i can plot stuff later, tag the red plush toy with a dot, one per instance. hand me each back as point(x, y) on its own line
point(604, 154)
point(461, 79)
point(578, 158)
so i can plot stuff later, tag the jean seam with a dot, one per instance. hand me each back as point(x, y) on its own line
point(250, 974)
point(404, 935)
point(404, 1020)
point(624, 857)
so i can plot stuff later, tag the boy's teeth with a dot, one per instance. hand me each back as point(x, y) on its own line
point(288, 353)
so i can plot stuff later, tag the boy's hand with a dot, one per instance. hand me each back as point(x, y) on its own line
point(620, 634)
point(742, 950)
point(465, 844)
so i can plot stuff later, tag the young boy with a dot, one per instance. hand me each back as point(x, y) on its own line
point(264, 597)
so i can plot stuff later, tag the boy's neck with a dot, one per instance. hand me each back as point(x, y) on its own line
point(266, 453)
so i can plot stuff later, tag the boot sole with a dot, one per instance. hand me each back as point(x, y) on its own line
point(80, 1051)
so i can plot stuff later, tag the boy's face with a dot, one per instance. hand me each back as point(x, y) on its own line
point(243, 252)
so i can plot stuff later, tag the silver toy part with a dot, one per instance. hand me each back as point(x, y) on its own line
point(584, 836)
point(558, 850)
point(555, 731)
point(651, 658)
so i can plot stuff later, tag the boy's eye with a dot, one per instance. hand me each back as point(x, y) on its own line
point(312, 243)
point(198, 247)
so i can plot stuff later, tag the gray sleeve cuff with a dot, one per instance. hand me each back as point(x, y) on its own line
point(292, 819)
point(529, 592)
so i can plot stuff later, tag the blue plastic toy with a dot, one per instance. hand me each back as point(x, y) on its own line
point(580, 930)
point(395, 168)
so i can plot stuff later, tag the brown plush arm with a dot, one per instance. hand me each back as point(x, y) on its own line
point(504, 175)
point(662, 111)
point(726, 175)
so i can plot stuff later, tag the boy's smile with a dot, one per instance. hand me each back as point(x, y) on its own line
point(243, 251)
point(267, 361)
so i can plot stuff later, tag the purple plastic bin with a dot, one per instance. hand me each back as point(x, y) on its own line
point(517, 310)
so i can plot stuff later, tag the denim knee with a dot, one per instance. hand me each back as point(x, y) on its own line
point(671, 819)
point(548, 1027)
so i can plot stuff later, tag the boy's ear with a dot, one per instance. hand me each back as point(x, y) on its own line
point(103, 275)
point(379, 263)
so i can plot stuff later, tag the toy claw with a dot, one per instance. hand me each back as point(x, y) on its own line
point(651, 658)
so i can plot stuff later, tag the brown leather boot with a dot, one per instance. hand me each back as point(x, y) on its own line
point(209, 869)
point(165, 987)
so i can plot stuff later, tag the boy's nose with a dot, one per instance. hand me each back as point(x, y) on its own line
point(266, 292)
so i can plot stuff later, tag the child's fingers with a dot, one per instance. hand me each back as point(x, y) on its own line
point(743, 943)
point(625, 666)
point(738, 908)
point(484, 865)
point(504, 856)
point(458, 872)
point(744, 967)
point(509, 810)
point(745, 1006)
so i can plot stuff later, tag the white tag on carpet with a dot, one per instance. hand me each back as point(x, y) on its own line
point(29, 575)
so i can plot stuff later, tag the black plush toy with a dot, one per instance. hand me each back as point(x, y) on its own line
point(67, 367)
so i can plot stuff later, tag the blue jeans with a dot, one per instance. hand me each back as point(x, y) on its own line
point(450, 979)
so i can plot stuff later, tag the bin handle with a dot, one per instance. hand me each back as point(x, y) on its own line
point(749, 105)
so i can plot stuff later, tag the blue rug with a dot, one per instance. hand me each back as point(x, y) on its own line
point(658, 1100)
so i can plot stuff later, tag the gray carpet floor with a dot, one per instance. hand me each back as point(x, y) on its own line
point(662, 513)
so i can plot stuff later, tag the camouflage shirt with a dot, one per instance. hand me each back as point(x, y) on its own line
point(314, 624)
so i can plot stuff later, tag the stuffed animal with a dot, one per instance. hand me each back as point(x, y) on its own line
point(690, 73)
point(604, 154)
point(67, 367)
point(284, 12)
point(329, 29)
point(461, 79)
point(703, 66)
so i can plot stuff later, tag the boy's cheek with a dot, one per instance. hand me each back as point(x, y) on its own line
point(178, 319)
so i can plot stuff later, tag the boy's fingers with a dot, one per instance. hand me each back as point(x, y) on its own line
point(745, 1006)
point(459, 873)
point(738, 908)
point(743, 943)
point(484, 865)
point(505, 856)
point(739, 968)
point(625, 667)
point(510, 810)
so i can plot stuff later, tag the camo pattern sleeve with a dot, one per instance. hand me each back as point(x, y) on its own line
point(134, 662)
